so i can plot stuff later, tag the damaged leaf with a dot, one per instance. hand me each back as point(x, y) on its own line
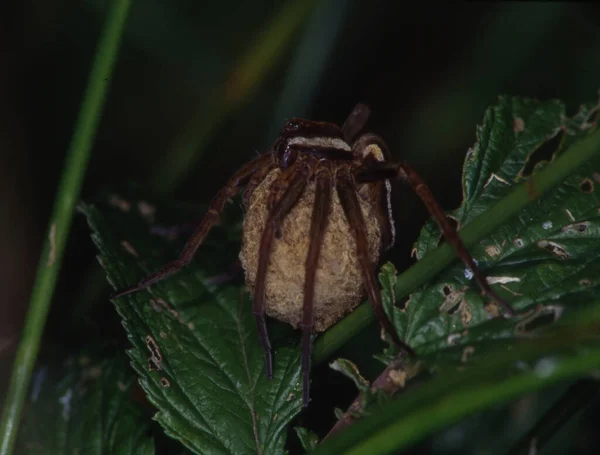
point(194, 338)
point(547, 255)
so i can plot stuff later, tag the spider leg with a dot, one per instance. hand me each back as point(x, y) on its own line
point(277, 213)
point(349, 201)
point(355, 121)
point(404, 172)
point(318, 224)
point(216, 206)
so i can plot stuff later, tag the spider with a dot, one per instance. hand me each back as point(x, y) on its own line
point(318, 217)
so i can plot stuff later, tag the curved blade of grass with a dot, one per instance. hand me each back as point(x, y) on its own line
point(435, 261)
point(60, 220)
point(571, 351)
point(309, 62)
point(252, 68)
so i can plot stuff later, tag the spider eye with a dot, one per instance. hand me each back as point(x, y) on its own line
point(291, 126)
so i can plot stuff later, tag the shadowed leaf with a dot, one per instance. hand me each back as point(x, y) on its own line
point(546, 255)
point(85, 406)
point(195, 345)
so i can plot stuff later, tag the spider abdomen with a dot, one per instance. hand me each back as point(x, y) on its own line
point(339, 283)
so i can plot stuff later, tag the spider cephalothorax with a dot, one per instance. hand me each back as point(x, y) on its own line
point(317, 218)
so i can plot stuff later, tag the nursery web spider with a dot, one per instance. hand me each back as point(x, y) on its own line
point(318, 217)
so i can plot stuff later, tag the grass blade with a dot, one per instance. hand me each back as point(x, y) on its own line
point(254, 65)
point(60, 220)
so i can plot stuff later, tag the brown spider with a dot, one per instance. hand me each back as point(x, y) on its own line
point(307, 250)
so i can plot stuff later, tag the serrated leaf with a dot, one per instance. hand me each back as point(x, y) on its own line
point(548, 255)
point(195, 344)
point(85, 406)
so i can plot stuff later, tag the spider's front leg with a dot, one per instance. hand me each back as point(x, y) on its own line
point(235, 183)
point(291, 184)
point(402, 171)
point(318, 225)
point(346, 191)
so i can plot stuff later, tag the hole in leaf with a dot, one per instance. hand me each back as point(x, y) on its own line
point(554, 248)
point(543, 153)
point(576, 228)
point(155, 358)
point(452, 299)
point(519, 243)
point(452, 311)
point(539, 317)
point(586, 185)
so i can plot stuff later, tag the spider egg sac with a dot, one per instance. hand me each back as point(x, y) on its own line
point(339, 282)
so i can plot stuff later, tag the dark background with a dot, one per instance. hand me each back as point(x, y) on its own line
point(427, 70)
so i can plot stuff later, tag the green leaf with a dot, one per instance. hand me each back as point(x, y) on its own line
point(510, 370)
point(545, 262)
point(308, 439)
point(85, 406)
point(547, 255)
point(350, 370)
point(570, 157)
point(195, 344)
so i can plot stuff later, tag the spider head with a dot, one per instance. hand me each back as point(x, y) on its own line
point(308, 137)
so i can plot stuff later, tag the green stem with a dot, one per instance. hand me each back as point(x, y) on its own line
point(60, 220)
point(434, 262)
point(455, 395)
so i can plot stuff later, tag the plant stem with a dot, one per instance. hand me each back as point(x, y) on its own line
point(454, 395)
point(434, 262)
point(389, 382)
point(60, 220)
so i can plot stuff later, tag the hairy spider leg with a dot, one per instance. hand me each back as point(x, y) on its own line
point(231, 188)
point(281, 208)
point(318, 225)
point(349, 201)
point(355, 121)
point(402, 171)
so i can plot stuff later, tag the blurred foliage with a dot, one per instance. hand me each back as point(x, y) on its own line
point(86, 405)
point(428, 76)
